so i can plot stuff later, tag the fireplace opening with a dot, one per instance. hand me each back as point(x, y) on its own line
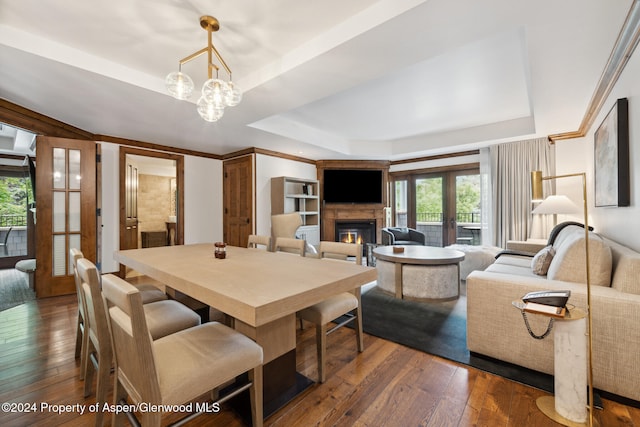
point(356, 232)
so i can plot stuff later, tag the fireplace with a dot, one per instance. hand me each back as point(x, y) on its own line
point(355, 231)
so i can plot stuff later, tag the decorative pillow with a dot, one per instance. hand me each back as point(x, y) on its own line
point(541, 261)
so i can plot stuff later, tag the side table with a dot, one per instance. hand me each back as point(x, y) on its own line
point(569, 405)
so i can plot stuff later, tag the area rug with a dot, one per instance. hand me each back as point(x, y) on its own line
point(438, 328)
point(14, 289)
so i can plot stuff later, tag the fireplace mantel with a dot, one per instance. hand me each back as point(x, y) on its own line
point(349, 212)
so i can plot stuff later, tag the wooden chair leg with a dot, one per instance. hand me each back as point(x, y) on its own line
point(321, 343)
point(255, 393)
point(119, 393)
point(358, 327)
point(102, 387)
point(89, 370)
point(79, 336)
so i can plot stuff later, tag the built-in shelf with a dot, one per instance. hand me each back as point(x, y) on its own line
point(302, 196)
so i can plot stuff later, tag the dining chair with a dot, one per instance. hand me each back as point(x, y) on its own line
point(256, 241)
point(346, 304)
point(180, 367)
point(290, 245)
point(82, 339)
point(150, 293)
point(163, 317)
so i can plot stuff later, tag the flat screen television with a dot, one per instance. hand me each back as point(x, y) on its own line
point(352, 186)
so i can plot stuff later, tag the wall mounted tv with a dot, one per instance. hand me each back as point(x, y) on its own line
point(353, 186)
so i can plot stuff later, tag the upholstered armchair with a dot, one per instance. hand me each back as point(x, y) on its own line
point(402, 236)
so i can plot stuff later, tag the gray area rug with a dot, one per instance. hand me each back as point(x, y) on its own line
point(14, 289)
point(438, 328)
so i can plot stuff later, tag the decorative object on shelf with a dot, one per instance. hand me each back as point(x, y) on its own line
point(216, 93)
point(611, 157)
point(552, 411)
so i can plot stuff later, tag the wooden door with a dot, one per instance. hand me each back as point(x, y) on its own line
point(130, 233)
point(65, 210)
point(238, 200)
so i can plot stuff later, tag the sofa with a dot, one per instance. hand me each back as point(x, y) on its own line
point(402, 236)
point(495, 328)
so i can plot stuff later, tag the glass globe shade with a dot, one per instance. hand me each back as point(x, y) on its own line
point(208, 110)
point(179, 85)
point(234, 96)
point(216, 92)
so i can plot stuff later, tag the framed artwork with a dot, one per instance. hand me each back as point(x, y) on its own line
point(611, 157)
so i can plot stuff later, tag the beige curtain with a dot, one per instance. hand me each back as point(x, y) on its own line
point(511, 164)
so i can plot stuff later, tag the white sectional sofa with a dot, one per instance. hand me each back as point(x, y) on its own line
point(495, 328)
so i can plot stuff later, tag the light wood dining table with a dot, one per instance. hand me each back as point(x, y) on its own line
point(261, 290)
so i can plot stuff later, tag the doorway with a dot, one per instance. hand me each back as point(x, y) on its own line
point(442, 204)
point(151, 199)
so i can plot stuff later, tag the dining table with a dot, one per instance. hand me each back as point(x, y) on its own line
point(260, 290)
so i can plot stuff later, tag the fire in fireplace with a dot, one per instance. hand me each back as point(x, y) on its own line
point(356, 231)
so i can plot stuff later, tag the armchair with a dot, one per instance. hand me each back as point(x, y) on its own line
point(402, 236)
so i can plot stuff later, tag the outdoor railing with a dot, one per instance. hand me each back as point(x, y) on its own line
point(467, 217)
point(13, 220)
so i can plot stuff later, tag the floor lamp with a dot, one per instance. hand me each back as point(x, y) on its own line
point(537, 194)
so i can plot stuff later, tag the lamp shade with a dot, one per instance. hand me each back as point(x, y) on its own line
point(557, 204)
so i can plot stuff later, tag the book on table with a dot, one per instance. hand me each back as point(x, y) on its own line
point(548, 310)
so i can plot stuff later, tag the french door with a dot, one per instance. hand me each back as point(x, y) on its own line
point(444, 205)
point(66, 214)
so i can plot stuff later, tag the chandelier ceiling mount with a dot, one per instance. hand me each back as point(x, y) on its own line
point(216, 93)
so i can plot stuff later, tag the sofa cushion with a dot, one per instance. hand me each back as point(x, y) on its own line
point(569, 262)
point(626, 268)
point(542, 260)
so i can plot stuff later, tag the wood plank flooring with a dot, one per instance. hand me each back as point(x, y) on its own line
point(386, 385)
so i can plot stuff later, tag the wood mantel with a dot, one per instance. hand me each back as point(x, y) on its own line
point(334, 212)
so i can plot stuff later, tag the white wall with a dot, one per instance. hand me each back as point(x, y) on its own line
point(621, 224)
point(266, 168)
point(202, 202)
point(110, 206)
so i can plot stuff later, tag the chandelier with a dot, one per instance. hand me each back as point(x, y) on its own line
point(216, 93)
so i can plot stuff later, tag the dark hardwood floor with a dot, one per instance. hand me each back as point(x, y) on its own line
point(386, 385)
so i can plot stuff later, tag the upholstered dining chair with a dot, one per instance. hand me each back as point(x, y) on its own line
point(82, 339)
point(256, 241)
point(150, 293)
point(177, 368)
point(344, 304)
point(289, 245)
point(285, 225)
point(163, 317)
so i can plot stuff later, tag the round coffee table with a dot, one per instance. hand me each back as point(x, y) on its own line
point(419, 272)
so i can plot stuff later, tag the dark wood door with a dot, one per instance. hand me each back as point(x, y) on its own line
point(130, 233)
point(238, 200)
point(65, 210)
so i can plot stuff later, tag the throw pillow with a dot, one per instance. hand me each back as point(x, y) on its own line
point(542, 260)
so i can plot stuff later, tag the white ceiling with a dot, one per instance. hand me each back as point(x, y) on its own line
point(387, 79)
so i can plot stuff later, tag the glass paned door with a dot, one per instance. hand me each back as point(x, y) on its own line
point(66, 210)
point(429, 209)
point(467, 207)
point(401, 202)
point(445, 206)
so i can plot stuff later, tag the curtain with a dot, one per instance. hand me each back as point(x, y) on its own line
point(486, 211)
point(510, 168)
